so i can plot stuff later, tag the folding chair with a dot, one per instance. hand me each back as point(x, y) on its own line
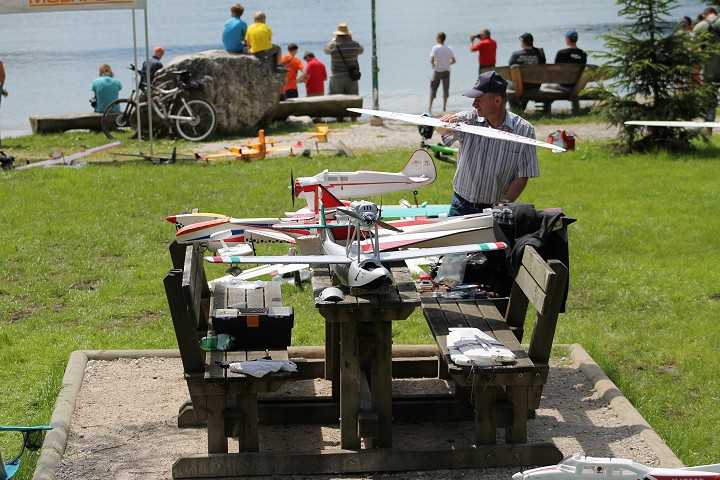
point(32, 440)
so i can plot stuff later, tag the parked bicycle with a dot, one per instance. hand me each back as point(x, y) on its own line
point(193, 119)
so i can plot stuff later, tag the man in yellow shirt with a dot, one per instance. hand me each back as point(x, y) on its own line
point(259, 40)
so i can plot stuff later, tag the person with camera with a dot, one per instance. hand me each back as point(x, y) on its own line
point(343, 51)
point(441, 57)
point(486, 48)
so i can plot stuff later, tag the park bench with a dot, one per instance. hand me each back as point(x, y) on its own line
point(226, 402)
point(548, 75)
point(67, 121)
point(504, 395)
point(320, 106)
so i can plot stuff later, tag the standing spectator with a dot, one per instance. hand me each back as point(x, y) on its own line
point(344, 52)
point(259, 41)
point(290, 90)
point(2, 79)
point(489, 171)
point(711, 70)
point(233, 37)
point(441, 57)
point(314, 76)
point(486, 48)
point(527, 55)
point(106, 89)
point(155, 65)
point(685, 24)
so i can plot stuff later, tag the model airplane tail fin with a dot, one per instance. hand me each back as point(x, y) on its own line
point(420, 166)
point(328, 199)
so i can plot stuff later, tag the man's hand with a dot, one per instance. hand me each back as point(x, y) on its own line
point(447, 118)
point(4, 93)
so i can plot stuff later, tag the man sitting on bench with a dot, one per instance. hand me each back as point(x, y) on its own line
point(572, 54)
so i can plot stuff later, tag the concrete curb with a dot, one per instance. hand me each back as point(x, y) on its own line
point(622, 406)
point(57, 439)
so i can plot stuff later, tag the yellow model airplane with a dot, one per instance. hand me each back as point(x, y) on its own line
point(252, 150)
point(321, 136)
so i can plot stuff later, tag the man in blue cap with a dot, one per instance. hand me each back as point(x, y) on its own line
point(489, 171)
point(572, 54)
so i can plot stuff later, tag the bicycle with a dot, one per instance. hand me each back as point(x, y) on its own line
point(193, 119)
point(32, 440)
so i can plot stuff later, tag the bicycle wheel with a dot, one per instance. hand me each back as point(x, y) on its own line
point(119, 121)
point(203, 120)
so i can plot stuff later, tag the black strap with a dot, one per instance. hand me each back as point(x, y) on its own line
point(343, 57)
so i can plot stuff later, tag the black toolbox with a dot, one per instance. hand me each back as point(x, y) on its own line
point(256, 327)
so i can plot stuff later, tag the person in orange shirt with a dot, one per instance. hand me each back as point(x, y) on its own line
point(290, 90)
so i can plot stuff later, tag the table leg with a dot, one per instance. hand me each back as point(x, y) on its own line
point(518, 395)
point(350, 386)
point(381, 383)
point(484, 425)
point(217, 441)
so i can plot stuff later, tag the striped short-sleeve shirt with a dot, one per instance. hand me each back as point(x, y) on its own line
point(487, 166)
point(350, 51)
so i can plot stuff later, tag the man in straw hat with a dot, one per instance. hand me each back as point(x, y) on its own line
point(344, 52)
point(489, 171)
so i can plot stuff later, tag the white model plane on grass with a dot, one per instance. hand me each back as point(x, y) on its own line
point(70, 160)
point(354, 267)
point(460, 127)
point(418, 171)
point(580, 467)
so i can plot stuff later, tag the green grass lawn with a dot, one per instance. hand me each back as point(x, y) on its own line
point(84, 252)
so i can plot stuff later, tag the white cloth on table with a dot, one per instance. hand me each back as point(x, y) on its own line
point(259, 368)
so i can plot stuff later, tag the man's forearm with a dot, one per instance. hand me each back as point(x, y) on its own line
point(515, 189)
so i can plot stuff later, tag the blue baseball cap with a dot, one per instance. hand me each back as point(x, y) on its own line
point(572, 35)
point(490, 81)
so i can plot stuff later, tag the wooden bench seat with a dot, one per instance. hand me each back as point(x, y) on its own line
point(226, 402)
point(67, 121)
point(504, 395)
point(547, 75)
point(320, 106)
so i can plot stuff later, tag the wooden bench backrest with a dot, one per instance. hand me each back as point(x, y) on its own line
point(187, 293)
point(541, 284)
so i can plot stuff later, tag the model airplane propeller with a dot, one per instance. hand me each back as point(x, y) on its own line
point(459, 127)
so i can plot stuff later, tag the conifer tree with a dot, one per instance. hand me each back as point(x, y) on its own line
point(651, 73)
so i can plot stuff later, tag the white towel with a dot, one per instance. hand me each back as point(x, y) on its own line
point(259, 368)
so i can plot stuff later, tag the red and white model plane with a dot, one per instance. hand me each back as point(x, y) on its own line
point(418, 171)
point(580, 467)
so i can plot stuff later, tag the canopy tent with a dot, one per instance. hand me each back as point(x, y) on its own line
point(41, 6)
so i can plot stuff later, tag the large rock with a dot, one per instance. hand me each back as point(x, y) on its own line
point(244, 91)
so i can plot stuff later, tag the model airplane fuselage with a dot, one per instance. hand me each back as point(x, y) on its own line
point(580, 467)
point(419, 171)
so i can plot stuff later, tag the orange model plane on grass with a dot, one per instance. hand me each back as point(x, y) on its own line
point(252, 150)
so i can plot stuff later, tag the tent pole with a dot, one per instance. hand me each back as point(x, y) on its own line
point(135, 80)
point(148, 86)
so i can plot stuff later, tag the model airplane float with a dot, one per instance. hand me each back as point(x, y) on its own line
point(459, 127)
point(354, 267)
point(418, 171)
point(581, 467)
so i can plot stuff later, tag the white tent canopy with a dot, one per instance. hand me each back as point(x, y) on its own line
point(42, 6)
point(36, 6)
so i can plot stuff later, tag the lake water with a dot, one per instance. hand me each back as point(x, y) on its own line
point(52, 58)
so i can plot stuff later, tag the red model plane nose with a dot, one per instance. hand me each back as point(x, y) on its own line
point(171, 218)
point(297, 189)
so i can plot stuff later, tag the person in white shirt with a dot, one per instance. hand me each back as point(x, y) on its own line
point(441, 57)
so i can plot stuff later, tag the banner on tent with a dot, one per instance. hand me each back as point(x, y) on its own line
point(34, 6)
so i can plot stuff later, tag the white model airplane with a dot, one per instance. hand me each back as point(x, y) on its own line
point(673, 123)
point(460, 127)
point(354, 267)
point(70, 160)
point(581, 467)
point(419, 171)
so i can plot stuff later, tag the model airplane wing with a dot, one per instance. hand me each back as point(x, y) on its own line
point(70, 159)
point(282, 259)
point(425, 211)
point(460, 127)
point(438, 251)
point(673, 123)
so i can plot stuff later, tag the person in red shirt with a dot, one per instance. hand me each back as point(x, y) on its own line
point(486, 48)
point(314, 75)
point(290, 89)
